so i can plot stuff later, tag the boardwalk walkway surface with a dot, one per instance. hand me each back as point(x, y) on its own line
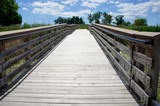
point(76, 73)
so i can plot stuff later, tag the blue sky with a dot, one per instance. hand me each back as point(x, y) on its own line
point(46, 11)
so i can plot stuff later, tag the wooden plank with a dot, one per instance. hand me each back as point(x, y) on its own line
point(2, 49)
point(37, 95)
point(140, 92)
point(143, 77)
point(12, 61)
point(154, 72)
point(67, 101)
point(59, 104)
point(2, 82)
point(143, 59)
point(76, 73)
point(30, 31)
point(20, 68)
point(116, 63)
point(114, 42)
point(127, 32)
point(124, 65)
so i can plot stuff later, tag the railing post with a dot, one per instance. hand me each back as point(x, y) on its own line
point(28, 48)
point(63, 30)
point(2, 48)
point(154, 73)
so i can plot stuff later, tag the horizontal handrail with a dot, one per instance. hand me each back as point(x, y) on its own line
point(20, 33)
point(21, 50)
point(132, 39)
point(135, 55)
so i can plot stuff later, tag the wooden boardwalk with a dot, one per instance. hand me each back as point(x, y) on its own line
point(76, 73)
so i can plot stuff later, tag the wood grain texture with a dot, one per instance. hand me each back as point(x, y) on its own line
point(77, 73)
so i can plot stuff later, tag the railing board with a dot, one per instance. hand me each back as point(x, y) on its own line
point(34, 49)
point(115, 43)
point(22, 33)
point(128, 32)
point(9, 63)
point(123, 61)
point(145, 79)
point(22, 46)
point(140, 58)
point(140, 92)
point(113, 59)
point(143, 59)
point(12, 61)
point(15, 72)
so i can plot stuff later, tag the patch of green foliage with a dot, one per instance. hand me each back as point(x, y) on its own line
point(72, 20)
point(16, 27)
point(143, 28)
point(82, 26)
point(9, 13)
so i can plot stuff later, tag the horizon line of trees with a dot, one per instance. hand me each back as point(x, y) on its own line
point(107, 19)
point(73, 20)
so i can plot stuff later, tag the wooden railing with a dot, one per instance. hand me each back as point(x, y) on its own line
point(23, 49)
point(136, 57)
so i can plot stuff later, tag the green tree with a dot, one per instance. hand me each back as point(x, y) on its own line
point(140, 22)
point(9, 13)
point(126, 23)
point(90, 18)
point(119, 19)
point(97, 16)
point(81, 21)
point(107, 18)
point(60, 20)
point(73, 20)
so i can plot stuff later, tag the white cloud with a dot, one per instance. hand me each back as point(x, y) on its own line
point(49, 4)
point(156, 7)
point(90, 4)
point(25, 9)
point(131, 10)
point(48, 7)
point(113, 2)
point(81, 13)
point(97, 1)
point(56, 9)
point(71, 2)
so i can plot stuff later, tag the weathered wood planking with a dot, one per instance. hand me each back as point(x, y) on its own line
point(136, 50)
point(76, 73)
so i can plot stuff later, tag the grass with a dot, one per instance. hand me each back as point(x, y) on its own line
point(14, 67)
point(16, 27)
point(82, 26)
point(25, 26)
point(143, 28)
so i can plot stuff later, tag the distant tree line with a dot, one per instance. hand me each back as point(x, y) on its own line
point(119, 19)
point(139, 24)
point(73, 20)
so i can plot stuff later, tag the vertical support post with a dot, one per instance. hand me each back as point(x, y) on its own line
point(154, 73)
point(2, 48)
point(28, 49)
point(2, 74)
point(63, 30)
point(140, 66)
point(51, 39)
point(149, 53)
point(132, 48)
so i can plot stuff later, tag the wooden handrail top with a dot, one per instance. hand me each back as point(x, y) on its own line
point(29, 30)
point(137, 34)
